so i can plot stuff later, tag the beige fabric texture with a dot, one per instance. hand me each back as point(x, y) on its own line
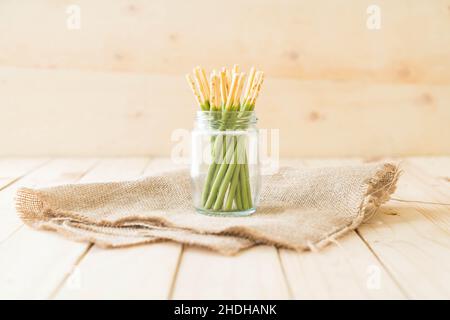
point(299, 209)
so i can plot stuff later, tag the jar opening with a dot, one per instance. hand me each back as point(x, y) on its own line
point(226, 120)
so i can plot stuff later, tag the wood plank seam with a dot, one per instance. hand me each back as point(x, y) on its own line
point(390, 273)
point(89, 246)
point(423, 183)
point(371, 256)
point(25, 174)
point(417, 175)
point(382, 264)
point(67, 275)
point(319, 117)
point(175, 274)
point(56, 171)
point(286, 280)
point(344, 252)
point(420, 202)
point(47, 162)
point(22, 225)
point(9, 236)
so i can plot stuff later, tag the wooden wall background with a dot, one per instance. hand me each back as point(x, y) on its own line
point(116, 86)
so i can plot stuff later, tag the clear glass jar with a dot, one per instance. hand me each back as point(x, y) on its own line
point(225, 167)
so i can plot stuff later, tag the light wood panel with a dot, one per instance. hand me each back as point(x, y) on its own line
point(253, 274)
point(34, 264)
point(409, 237)
point(436, 167)
point(433, 175)
point(307, 39)
point(401, 252)
point(412, 249)
point(430, 195)
point(55, 172)
point(412, 239)
point(142, 272)
point(115, 86)
point(146, 272)
point(344, 270)
point(12, 169)
point(85, 113)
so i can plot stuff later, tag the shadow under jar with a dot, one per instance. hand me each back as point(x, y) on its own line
point(225, 167)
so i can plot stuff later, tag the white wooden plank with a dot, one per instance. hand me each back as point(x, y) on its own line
point(252, 274)
point(430, 195)
point(12, 169)
point(412, 241)
point(309, 32)
point(347, 270)
point(412, 249)
point(56, 172)
point(34, 263)
point(28, 256)
point(433, 175)
point(121, 114)
point(142, 272)
point(437, 167)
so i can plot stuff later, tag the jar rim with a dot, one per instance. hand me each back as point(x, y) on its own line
point(226, 119)
point(200, 112)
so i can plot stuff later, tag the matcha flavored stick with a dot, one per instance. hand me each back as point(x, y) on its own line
point(231, 93)
point(248, 99)
point(228, 74)
point(217, 93)
point(248, 87)
point(212, 90)
point(223, 87)
point(240, 85)
point(257, 90)
point(195, 91)
point(202, 83)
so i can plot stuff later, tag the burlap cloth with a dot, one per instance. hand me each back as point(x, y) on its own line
point(299, 209)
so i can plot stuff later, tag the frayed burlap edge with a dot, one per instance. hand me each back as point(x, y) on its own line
point(379, 190)
point(31, 207)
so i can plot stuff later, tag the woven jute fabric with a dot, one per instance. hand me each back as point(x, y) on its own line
point(299, 209)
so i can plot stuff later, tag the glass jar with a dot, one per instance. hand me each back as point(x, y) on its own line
point(225, 167)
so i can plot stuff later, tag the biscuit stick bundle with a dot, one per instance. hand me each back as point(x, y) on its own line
point(229, 97)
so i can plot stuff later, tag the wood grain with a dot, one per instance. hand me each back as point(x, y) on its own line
point(115, 86)
point(295, 39)
point(147, 272)
point(32, 263)
point(86, 113)
point(253, 274)
point(12, 169)
point(55, 172)
point(405, 246)
point(344, 270)
point(340, 271)
point(411, 238)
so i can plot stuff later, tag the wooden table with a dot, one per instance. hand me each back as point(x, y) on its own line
point(403, 252)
